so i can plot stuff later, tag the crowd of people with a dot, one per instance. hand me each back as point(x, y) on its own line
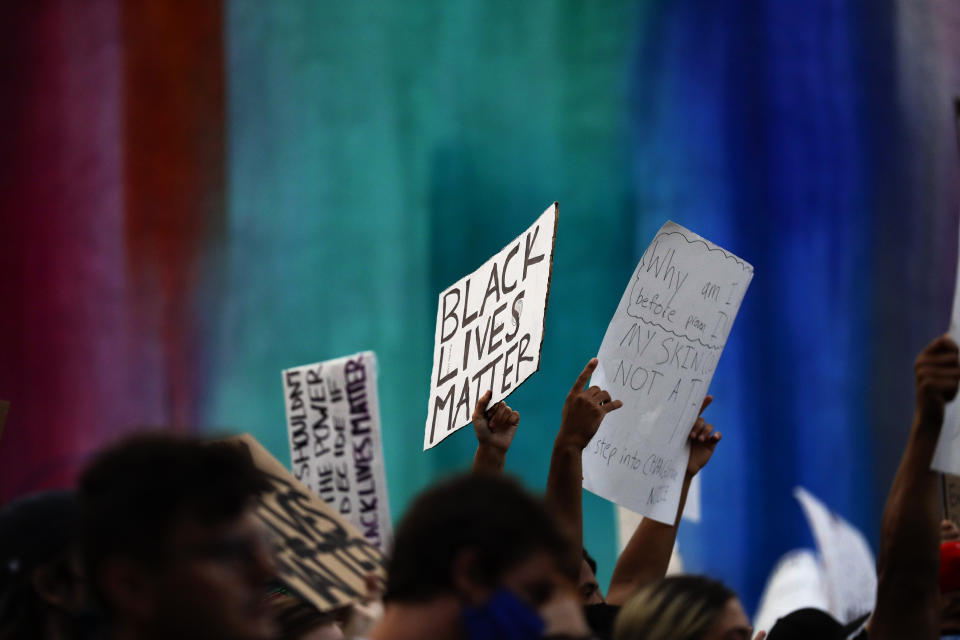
point(160, 539)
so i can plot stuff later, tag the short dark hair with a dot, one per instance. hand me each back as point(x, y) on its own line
point(490, 514)
point(133, 493)
point(35, 531)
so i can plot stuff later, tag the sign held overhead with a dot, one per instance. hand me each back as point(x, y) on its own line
point(320, 556)
point(490, 329)
point(658, 357)
point(336, 447)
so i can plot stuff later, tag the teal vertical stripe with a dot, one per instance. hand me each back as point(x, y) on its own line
point(380, 151)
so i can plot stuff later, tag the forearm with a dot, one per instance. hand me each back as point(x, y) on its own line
point(489, 460)
point(908, 560)
point(564, 495)
point(647, 555)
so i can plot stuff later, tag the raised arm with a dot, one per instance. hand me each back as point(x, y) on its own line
point(645, 558)
point(908, 562)
point(494, 434)
point(583, 412)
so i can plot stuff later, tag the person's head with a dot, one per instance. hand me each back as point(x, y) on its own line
point(683, 608)
point(587, 584)
point(42, 591)
point(480, 540)
point(171, 541)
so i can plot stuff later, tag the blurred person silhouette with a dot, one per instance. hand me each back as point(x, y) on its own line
point(683, 608)
point(478, 558)
point(42, 590)
point(171, 542)
point(915, 592)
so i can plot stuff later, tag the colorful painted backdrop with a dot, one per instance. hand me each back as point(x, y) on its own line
point(197, 195)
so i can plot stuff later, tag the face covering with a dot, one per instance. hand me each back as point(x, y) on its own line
point(503, 617)
point(600, 617)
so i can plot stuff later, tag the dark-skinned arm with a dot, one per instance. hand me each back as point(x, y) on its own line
point(494, 434)
point(645, 558)
point(583, 411)
point(908, 561)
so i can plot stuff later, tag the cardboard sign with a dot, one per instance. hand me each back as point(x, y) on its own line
point(333, 421)
point(490, 329)
point(849, 566)
point(320, 556)
point(796, 582)
point(658, 357)
point(946, 457)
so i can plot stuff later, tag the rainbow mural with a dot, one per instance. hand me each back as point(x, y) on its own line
point(198, 195)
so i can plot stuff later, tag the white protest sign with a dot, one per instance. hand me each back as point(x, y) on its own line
point(946, 457)
point(849, 567)
point(336, 449)
point(796, 582)
point(658, 357)
point(490, 329)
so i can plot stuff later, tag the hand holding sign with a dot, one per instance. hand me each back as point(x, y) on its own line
point(497, 430)
point(658, 356)
point(703, 441)
point(937, 372)
point(584, 410)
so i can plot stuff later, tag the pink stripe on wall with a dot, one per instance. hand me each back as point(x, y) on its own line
point(95, 298)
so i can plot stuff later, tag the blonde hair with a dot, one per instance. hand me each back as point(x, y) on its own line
point(676, 608)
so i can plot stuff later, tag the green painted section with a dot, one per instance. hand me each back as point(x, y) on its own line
point(379, 151)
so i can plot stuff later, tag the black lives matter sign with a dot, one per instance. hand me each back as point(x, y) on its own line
point(336, 447)
point(490, 329)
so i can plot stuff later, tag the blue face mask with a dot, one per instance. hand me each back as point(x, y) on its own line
point(503, 617)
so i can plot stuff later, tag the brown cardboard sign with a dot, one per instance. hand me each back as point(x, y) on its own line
point(320, 556)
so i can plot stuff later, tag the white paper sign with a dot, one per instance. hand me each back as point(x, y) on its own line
point(336, 449)
point(490, 329)
point(796, 582)
point(946, 457)
point(849, 567)
point(658, 356)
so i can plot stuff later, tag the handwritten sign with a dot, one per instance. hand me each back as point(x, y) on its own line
point(333, 421)
point(849, 567)
point(320, 556)
point(490, 329)
point(946, 457)
point(658, 357)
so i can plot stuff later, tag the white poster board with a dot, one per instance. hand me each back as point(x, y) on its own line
point(490, 329)
point(658, 357)
point(796, 582)
point(946, 457)
point(336, 448)
point(849, 566)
